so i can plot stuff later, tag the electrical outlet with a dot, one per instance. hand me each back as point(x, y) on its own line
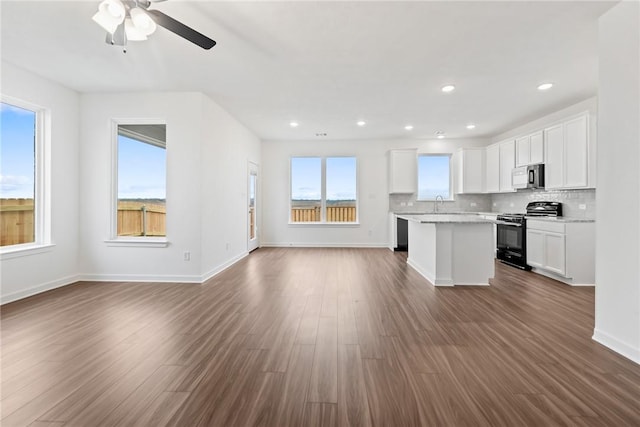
point(495, 204)
point(410, 204)
point(403, 204)
point(187, 256)
point(582, 206)
point(510, 205)
point(473, 204)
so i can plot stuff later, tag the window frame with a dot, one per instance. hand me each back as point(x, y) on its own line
point(451, 192)
point(42, 182)
point(130, 241)
point(323, 193)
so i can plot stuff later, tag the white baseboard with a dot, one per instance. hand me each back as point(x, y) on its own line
point(559, 278)
point(616, 345)
point(139, 278)
point(324, 245)
point(191, 279)
point(219, 269)
point(58, 283)
point(424, 273)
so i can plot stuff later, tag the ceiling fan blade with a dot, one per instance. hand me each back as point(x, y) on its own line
point(182, 30)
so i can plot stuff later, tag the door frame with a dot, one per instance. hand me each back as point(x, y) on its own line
point(253, 169)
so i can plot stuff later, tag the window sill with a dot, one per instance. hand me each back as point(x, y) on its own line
point(142, 242)
point(324, 224)
point(16, 251)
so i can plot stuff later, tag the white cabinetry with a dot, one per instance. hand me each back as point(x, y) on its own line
point(470, 163)
point(530, 149)
point(565, 250)
point(568, 151)
point(507, 163)
point(403, 171)
point(492, 169)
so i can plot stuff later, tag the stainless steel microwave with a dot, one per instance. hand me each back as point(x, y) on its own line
point(531, 176)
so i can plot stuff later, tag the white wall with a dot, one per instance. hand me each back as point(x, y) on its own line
point(373, 197)
point(35, 273)
point(226, 150)
point(618, 196)
point(207, 152)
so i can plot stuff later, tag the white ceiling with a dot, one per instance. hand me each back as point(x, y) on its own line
point(327, 65)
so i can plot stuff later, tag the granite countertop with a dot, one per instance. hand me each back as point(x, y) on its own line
point(449, 218)
point(562, 219)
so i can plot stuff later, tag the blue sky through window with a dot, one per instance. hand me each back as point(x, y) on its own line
point(433, 177)
point(341, 178)
point(17, 152)
point(141, 170)
point(306, 178)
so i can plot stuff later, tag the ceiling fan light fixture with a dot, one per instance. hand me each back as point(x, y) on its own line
point(142, 21)
point(134, 33)
point(110, 14)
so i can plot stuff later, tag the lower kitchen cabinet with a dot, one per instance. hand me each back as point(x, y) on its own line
point(562, 250)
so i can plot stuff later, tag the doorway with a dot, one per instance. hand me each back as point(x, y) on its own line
point(253, 241)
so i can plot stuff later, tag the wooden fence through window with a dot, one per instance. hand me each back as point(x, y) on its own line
point(17, 219)
point(334, 214)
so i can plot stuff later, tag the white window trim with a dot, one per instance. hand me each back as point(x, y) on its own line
point(127, 241)
point(323, 193)
point(42, 182)
point(451, 197)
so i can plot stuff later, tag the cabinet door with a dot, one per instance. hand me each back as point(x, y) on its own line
point(554, 151)
point(576, 149)
point(536, 148)
point(522, 151)
point(535, 248)
point(507, 163)
point(472, 170)
point(492, 169)
point(403, 171)
point(554, 252)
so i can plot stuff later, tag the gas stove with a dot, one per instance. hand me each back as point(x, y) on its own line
point(511, 231)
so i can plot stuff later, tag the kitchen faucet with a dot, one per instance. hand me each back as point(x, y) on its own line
point(435, 203)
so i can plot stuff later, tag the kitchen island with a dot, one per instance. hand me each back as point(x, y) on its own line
point(452, 249)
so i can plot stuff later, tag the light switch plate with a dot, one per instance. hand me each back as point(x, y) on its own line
point(582, 206)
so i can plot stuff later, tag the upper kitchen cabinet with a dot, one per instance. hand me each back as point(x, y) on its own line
point(471, 166)
point(403, 171)
point(507, 163)
point(492, 169)
point(530, 149)
point(569, 154)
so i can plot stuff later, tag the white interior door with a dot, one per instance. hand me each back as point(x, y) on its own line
point(252, 219)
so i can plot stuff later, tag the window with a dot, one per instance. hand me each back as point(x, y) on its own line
point(434, 176)
point(21, 193)
point(323, 190)
point(141, 181)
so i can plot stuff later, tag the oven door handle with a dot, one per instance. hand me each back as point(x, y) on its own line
point(510, 224)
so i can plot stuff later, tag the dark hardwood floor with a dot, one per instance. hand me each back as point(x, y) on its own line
point(313, 337)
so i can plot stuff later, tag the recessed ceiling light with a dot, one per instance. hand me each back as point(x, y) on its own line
point(471, 126)
point(361, 123)
point(440, 134)
point(545, 86)
point(448, 88)
point(294, 124)
point(408, 127)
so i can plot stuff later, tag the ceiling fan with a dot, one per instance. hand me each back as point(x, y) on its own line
point(131, 20)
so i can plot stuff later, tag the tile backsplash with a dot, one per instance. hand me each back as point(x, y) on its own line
point(407, 203)
point(572, 202)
